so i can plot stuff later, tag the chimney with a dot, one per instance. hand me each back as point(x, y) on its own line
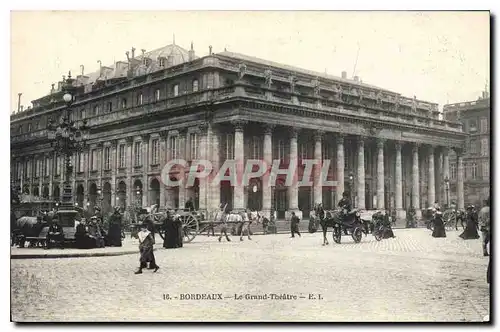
point(19, 107)
point(344, 74)
point(191, 53)
point(356, 78)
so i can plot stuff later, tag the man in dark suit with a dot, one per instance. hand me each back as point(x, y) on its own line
point(294, 225)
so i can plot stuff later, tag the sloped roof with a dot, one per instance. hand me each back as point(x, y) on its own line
point(298, 70)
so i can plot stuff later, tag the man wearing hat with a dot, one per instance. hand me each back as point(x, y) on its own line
point(146, 249)
point(484, 222)
point(345, 205)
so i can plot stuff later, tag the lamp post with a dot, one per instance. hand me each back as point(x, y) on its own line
point(447, 189)
point(351, 181)
point(67, 138)
point(138, 195)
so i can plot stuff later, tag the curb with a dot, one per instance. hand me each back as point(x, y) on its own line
point(76, 255)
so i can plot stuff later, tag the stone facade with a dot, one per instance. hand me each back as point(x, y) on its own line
point(381, 146)
point(475, 117)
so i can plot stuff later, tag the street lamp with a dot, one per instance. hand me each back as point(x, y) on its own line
point(351, 181)
point(67, 138)
point(138, 192)
point(447, 189)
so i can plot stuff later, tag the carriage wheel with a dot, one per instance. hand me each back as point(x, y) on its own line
point(337, 234)
point(357, 234)
point(190, 227)
point(378, 233)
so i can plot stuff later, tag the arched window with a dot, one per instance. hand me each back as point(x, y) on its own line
point(195, 85)
point(20, 129)
point(139, 99)
point(29, 127)
point(162, 62)
point(176, 90)
point(124, 103)
point(96, 110)
point(157, 94)
point(256, 150)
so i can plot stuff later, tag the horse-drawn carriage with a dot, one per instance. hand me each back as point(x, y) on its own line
point(451, 218)
point(193, 223)
point(350, 224)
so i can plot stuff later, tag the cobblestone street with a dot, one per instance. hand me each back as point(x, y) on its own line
point(412, 277)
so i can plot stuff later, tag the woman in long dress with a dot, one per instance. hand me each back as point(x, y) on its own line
point(146, 249)
point(470, 231)
point(115, 229)
point(439, 230)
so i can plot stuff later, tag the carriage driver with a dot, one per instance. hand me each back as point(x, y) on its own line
point(345, 205)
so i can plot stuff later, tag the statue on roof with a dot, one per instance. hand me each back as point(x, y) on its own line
point(293, 81)
point(242, 70)
point(316, 86)
point(268, 74)
point(340, 92)
point(379, 98)
point(414, 104)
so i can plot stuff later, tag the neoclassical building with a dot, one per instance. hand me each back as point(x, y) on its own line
point(388, 151)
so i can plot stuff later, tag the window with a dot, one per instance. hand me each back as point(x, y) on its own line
point(93, 160)
point(37, 124)
point(29, 127)
point(20, 129)
point(46, 167)
point(486, 169)
point(484, 147)
point(472, 125)
point(157, 94)
point(193, 143)
point(81, 160)
point(176, 90)
point(137, 154)
point(229, 146)
point(453, 171)
point(145, 61)
point(110, 107)
point(281, 150)
point(162, 62)
point(195, 85)
point(96, 110)
point(82, 114)
point(473, 146)
point(325, 153)
point(473, 169)
point(484, 125)
point(139, 99)
point(25, 169)
point(107, 158)
point(210, 80)
point(173, 145)
point(121, 156)
point(256, 150)
point(36, 168)
point(155, 149)
point(303, 151)
point(124, 103)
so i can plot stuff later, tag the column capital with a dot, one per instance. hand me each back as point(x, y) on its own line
point(294, 132)
point(129, 140)
point(99, 145)
point(269, 128)
point(459, 151)
point(203, 127)
point(398, 145)
point(114, 143)
point(361, 140)
point(340, 137)
point(415, 147)
point(164, 134)
point(380, 142)
point(239, 125)
point(318, 135)
point(430, 148)
point(145, 137)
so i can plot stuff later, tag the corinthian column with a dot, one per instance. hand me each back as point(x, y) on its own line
point(340, 166)
point(446, 172)
point(268, 159)
point(416, 183)
point(431, 187)
point(239, 156)
point(380, 175)
point(145, 168)
point(361, 173)
point(318, 186)
point(202, 189)
point(398, 177)
point(293, 190)
point(460, 180)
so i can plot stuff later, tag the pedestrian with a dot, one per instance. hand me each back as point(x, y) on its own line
point(439, 230)
point(294, 225)
point(146, 250)
point(470, 231)
point(484, 221)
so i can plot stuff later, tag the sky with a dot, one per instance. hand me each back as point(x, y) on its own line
point(441, 57)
